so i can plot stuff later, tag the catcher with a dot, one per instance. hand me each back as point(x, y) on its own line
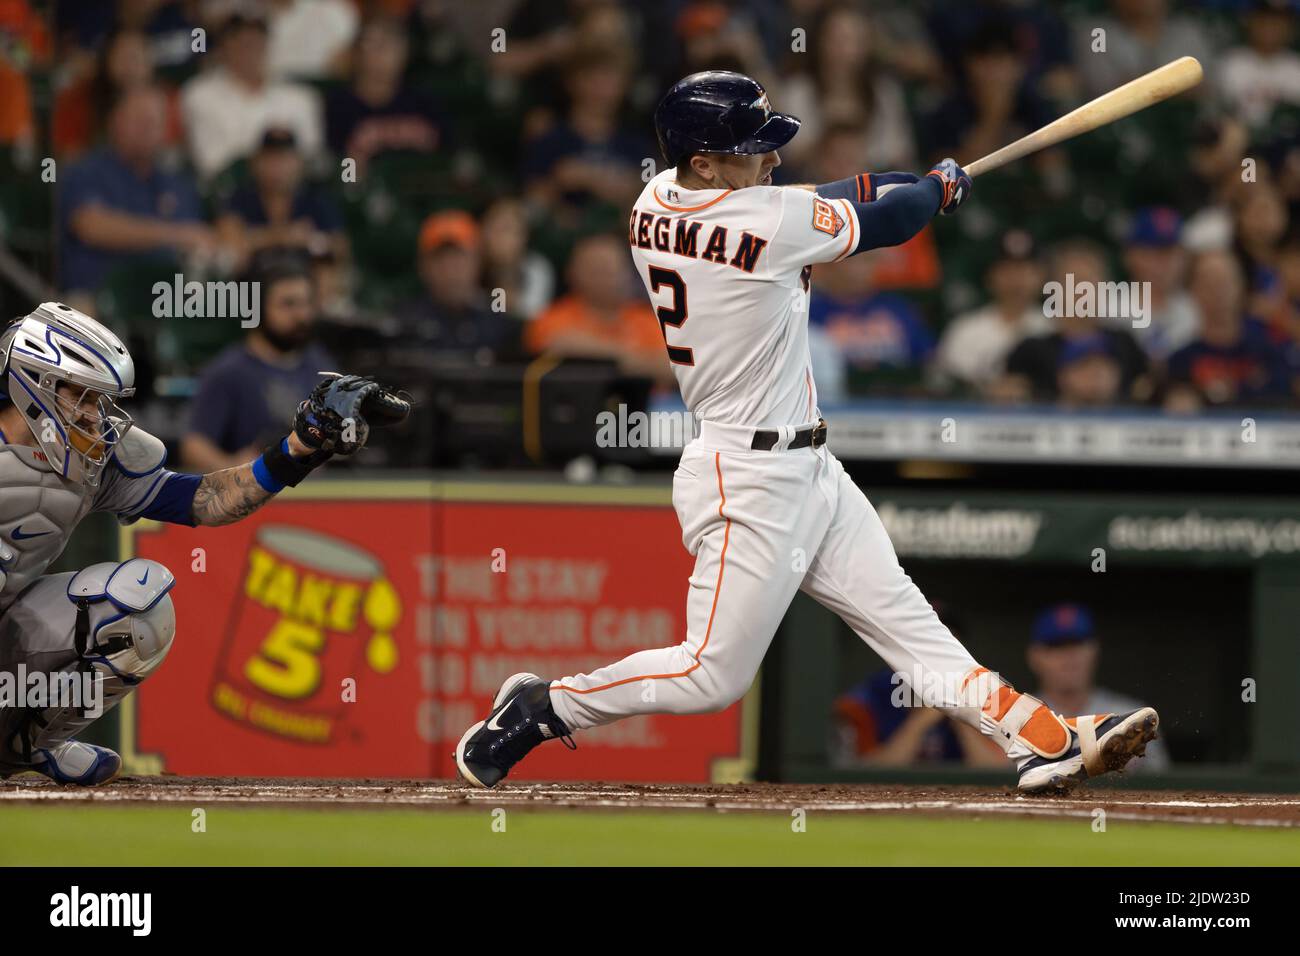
point(67, 449)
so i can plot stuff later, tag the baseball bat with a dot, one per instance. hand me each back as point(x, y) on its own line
point(1150, 88)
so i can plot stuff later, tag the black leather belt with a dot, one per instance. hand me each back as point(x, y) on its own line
point(765, 439)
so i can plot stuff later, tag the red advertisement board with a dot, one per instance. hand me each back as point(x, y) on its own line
point(356, 630)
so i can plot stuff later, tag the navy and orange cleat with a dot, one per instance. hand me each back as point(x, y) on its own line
point(1102, 743)
point(521, 718)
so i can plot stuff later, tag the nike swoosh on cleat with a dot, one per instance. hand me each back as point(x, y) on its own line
point(20, 535)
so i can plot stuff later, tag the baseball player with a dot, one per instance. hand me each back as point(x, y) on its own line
point(765, 508)
point(67, 449)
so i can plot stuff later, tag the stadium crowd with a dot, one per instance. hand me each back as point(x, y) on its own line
point(449, 183)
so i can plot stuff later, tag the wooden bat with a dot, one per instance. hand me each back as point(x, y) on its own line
point(1160, 84)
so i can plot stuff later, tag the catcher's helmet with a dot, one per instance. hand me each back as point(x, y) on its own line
point(719, 112)
point(57, 345)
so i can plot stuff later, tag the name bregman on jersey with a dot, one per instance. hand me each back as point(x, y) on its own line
point(646, 230)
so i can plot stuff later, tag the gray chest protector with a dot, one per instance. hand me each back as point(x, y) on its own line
point(38, 510)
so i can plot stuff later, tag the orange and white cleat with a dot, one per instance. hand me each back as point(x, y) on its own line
point(1099, 743)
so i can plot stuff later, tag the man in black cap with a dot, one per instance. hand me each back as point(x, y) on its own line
point(277, 209)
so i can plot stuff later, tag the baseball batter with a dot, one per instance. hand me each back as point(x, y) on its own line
point(765, 508)
point(67, 449)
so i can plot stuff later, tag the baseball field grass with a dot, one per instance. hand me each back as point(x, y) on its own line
point(165, 835)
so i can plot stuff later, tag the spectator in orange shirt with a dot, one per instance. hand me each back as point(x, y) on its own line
point(602, 316)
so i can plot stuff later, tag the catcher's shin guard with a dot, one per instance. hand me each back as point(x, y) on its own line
point(124, 628)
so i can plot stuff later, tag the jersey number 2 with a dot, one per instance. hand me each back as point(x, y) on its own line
point(673, 315)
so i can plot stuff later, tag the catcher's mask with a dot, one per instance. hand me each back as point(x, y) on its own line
point(64, 372)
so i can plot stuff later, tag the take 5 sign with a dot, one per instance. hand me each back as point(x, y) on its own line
point(358, 628)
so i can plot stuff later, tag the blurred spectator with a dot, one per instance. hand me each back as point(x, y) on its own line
point(247, 396)
point(546, 38)
point(1260, 222)
point(276, 209)
point(526, 278)
point(721, 35)
point(589, 156)
point(165, 23)
point(118, 204)
point(603, 316)
point(1153, 255)
point(1265, 73)
point(309, 38)
point(1139, 36)
point(1040, 37)
point(1285, 323)
point(1088, 374)
point(24, 44)
point(880, 722)
point(845, 86)
point(993, 104)
point(836, 154)
point(379, 111)
point(1218, 148)
point(542, 37)
point(872, 330)
point(228, 108)
point(452, 319)
point(81, 109)
point(1231, 363)
point(974, 346)
point(1034, 366)
point(1062, 655)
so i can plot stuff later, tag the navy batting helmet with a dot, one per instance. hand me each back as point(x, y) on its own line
point(719, 112)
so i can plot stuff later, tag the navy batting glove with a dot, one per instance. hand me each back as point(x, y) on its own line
point(957, 186)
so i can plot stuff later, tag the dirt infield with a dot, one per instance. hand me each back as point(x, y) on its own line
point(1272, 810)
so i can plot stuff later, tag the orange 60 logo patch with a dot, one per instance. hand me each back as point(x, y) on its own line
point(825, 218)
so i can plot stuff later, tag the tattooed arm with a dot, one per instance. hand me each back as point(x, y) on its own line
point(226, 496)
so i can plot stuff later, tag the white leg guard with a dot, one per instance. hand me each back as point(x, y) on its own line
point(124, 626)
point(1022, 725)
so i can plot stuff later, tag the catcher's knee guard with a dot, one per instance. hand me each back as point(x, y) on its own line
point(1021, 724)
point(133, 629)
point(124, 628)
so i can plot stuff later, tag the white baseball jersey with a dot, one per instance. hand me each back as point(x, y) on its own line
point(727, 273)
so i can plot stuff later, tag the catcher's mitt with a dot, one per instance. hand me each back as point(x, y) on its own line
point(337, 416)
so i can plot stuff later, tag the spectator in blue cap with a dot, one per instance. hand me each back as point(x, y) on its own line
point(1063, 653)
point(1087, 373)
point(1154, 255)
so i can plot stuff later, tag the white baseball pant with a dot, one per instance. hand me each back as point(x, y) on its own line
point(762, 524)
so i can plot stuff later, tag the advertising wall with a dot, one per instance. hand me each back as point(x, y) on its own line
point(355, 629)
